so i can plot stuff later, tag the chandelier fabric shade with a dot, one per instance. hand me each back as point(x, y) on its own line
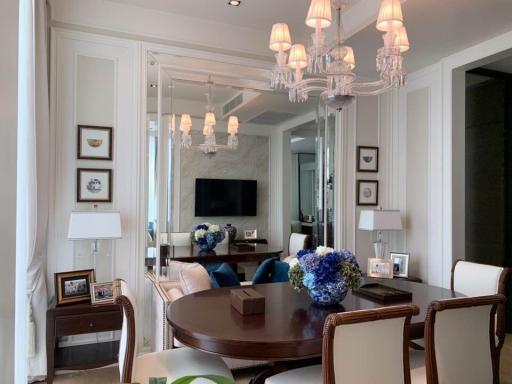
point(402, 40)
point(233, 125)
point(319, 14)
point(280, 38)
point(185, 123)
point(209, 119)
point(390, 16)
point(349, 57)
point(298, 57)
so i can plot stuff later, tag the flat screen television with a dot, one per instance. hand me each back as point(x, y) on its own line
point(220, 197)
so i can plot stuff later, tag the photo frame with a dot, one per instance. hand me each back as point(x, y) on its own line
point(367, 159)
point(250, 234)
point(73, 287)
point(94, 185)
point(94, 143)
point(102, 293)
point(367, 192)
point(381, 268)
point(400, 264)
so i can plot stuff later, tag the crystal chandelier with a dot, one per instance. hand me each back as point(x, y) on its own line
point(329, 69)
point(209, 146)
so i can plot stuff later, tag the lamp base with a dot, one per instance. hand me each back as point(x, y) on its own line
point(378, 247)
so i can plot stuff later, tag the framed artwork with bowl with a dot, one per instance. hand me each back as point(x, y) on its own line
point(367, 159)
point(94, 143)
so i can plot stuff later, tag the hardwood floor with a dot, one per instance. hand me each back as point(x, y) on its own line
point(110, 375)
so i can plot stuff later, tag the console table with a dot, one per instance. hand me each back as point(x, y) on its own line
point(78, 319)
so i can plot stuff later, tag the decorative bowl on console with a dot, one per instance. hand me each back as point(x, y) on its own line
point(325, 273)
point(206, 236)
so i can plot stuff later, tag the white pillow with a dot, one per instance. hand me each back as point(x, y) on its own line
point(175, 267)
point(195, 280)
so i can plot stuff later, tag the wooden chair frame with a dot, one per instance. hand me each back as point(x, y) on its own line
point(337, 319)
point(129, 312)
point(501, 326)
point(457, 303)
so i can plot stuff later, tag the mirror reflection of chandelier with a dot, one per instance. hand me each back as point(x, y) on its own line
point(329, 69)
point(209, 146)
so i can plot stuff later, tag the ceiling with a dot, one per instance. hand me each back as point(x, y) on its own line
point(437, 28)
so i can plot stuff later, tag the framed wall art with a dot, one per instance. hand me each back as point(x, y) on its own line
point(94, 143)
point(367, 192)
point(73, 287)
point(367, 159)
point(94, 185)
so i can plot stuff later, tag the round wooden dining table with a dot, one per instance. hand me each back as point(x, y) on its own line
point(289, 330)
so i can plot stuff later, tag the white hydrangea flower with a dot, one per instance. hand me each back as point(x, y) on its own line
point(199, 234)
point(294, 262)
point(322, 251)
point(214, 228)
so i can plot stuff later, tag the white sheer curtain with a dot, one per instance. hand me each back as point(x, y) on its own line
point(33, 182)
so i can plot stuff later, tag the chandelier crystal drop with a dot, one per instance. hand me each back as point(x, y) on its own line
point(209, 145)
point(328, 68)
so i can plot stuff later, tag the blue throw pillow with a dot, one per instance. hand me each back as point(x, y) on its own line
point(224, 276)
point(271, 271)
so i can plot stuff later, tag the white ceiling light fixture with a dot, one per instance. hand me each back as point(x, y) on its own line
point(209, 146)
point(235, 3)
point(328, 69)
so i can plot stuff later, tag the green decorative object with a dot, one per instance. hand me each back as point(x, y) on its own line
point(214, 378)
point(158, 380)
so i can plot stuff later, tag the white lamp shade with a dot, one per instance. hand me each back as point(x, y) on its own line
point(298, 57)
point(402, 40)
point(349, 57)
point(390, 15)
point(233, 125)
point(185, 123)
point(280, 38)
point(319, 14)
point(209, 119)
point(94, 225)
point(370, 220)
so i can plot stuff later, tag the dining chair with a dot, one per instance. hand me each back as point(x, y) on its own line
point(363, 347)
point(180, 239)
point(474, 279)
point(296, 242)
point(172, 363)
point(459, 342)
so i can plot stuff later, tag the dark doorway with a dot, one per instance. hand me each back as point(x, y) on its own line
point(489, 169)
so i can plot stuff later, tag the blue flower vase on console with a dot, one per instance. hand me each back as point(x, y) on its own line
point(326, 274)
point(206, 236)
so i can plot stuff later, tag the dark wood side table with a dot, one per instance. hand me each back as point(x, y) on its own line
point(79, 319)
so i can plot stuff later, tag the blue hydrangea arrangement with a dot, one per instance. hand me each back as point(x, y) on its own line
point(206, 236)
point(326, 274)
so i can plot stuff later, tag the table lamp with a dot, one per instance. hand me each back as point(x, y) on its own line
point(380, 220)
point(94, 225)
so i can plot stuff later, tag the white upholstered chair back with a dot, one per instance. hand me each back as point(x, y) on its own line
point(180, 239)
point(367, 347)
point(459, 337)
point(297, 242)
point(473, 279)
point(127, 343)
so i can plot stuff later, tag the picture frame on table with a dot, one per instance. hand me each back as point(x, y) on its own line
point(94, 143)
point(368, 192)
point(400, 264)
point(102, 293)
point(250, 234)
point(73, 287)
point(367, 159)
point(380, 268)
point(94, 185)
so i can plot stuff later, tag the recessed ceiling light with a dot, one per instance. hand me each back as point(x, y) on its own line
point(235, 3)
point(152, 85)
point(296, 139)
